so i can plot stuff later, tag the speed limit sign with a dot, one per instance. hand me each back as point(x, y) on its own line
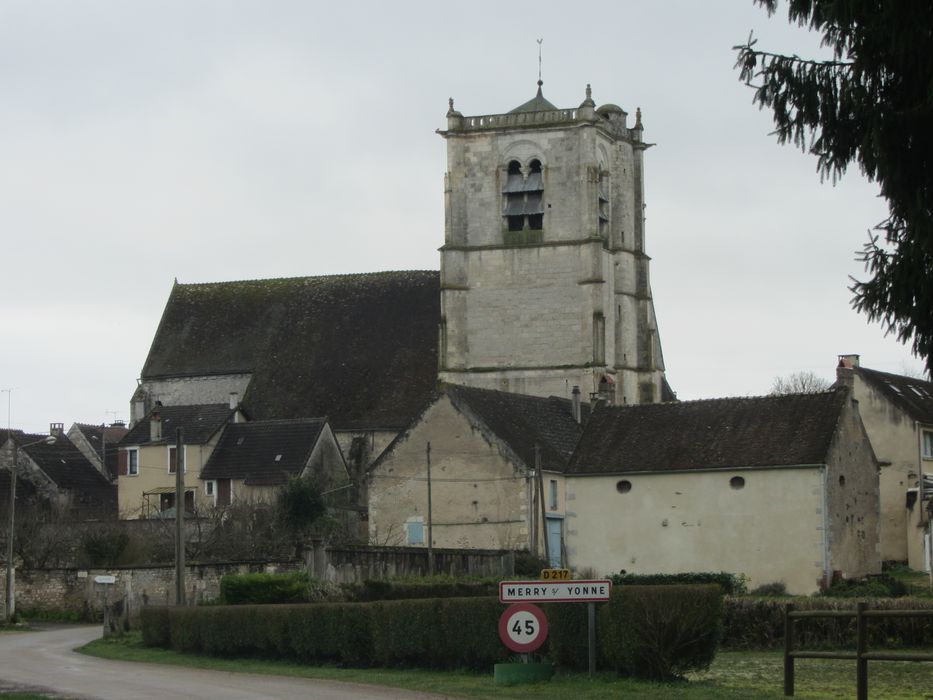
point(523, 627)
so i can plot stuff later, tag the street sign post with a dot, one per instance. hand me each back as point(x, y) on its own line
point(523, 627)
point(554, 591)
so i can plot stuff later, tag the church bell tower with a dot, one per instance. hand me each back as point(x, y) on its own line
point(544, 276)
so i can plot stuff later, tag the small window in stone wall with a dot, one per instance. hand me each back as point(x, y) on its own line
point(842, 480)
point(737, 483)
point(623, 486)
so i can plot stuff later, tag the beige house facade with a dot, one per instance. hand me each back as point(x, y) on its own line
point(483, 447)
point(777, 489)
point(148, 459)
point(898, 415)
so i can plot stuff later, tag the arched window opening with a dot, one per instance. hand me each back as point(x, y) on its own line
point(602, 204)
point(524, 197)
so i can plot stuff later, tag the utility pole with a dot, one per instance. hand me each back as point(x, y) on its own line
point(547, 546)
point(430, 518)
point(179, 518)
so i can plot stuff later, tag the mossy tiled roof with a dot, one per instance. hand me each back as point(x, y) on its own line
point(523, 422)
point(766, 431)
point(360, 349)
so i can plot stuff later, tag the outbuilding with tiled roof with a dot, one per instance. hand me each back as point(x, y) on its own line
point(775, 488)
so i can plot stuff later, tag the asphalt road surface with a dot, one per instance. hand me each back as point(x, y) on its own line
point(43, 661)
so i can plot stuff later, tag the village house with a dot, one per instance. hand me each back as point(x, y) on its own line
point(478, 469)
point(52, 471)
point(776, 488)
point(148, 458)
point(252, 461)
point(99, 444)
point(898, 415)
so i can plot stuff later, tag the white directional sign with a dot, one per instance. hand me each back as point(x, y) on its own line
point(523, 627)
point(105, 579)
point(554, 591)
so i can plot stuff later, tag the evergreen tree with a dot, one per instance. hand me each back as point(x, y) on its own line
point(871, 104)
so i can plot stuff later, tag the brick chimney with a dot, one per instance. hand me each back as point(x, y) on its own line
point(575, 396)
point(844, 370)
point(56, 429)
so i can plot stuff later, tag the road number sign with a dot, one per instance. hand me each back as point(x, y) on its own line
point(523, 627)
point(558, 574)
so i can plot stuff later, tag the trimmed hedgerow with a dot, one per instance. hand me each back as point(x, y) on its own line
point(259, 587)
point(654, 632)
point(731, 584)
point(371, 590)
point(155, 626)
point(758, 623)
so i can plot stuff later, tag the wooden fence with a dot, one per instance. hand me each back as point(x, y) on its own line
point(861, 655)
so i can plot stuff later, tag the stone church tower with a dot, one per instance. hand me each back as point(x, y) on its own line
point(544, 276)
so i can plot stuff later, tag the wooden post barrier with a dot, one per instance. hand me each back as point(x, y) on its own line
point(861, 655)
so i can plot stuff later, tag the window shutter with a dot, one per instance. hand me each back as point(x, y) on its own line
point(121, 463)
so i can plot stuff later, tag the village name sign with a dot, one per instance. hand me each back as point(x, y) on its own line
point(554, 591)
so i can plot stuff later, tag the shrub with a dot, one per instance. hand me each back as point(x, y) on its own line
point(731, 584)
point(777, 588)
point(154, 621)
point(882, 586)
point(104, 544)
point(258, 588)
point(530, 565)
point(660, 632)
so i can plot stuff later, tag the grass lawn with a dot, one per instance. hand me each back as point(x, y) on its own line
point(734, 675)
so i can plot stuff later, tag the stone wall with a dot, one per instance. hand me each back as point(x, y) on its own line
point(75, 590)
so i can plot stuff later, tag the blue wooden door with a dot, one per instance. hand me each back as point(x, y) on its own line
point(554, 542)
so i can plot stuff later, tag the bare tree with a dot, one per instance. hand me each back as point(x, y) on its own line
point(799, 383)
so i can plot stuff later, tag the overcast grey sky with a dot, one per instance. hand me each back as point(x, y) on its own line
point(208, 141)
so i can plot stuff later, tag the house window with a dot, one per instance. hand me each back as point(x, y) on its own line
point(623, 486)
point(209, 488)
point(552, 494)
point(928, 444)
point(524, 196)
point(414, 529)
point(172, 460)
point(132, 462)
point(737, 483)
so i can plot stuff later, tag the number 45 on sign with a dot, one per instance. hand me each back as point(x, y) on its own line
point(523, 627)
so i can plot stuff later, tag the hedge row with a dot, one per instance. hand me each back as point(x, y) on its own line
point(405, 590)
point(731, 584)
point(653, 632)
point(750, 623)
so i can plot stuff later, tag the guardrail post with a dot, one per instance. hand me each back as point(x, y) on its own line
point(861, 663)
point(788, 648)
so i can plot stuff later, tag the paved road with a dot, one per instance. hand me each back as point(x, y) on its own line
point(44, 661)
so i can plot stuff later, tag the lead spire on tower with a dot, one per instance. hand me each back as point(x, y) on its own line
point(540, 82)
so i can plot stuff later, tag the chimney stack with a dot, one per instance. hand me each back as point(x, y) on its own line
point(155, 424)
point(575, 395)
point(56, 429)
point(849, 361)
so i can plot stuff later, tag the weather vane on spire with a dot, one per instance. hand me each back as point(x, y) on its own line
point(540, 41)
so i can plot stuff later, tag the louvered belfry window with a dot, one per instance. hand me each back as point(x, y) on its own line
point(524, 197)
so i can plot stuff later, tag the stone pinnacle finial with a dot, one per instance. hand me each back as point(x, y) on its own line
point(451, 112)
point(638, 118)
point(588, 102)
